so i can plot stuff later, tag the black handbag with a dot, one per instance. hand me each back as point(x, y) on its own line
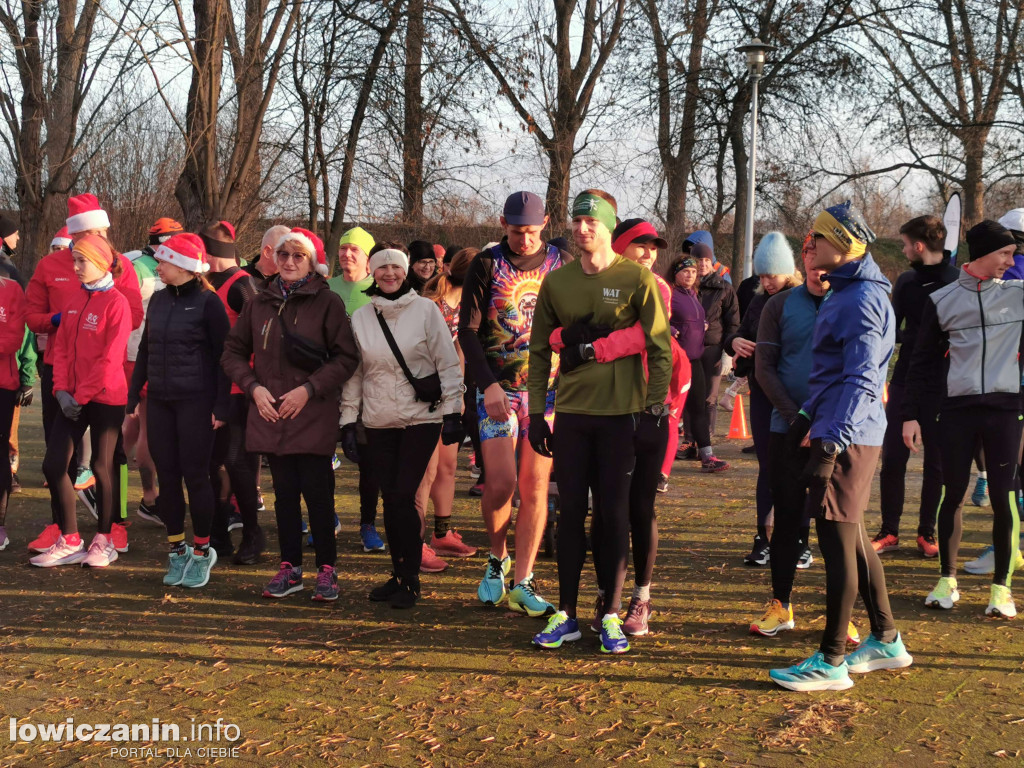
point(301, 352)
point(427, 388)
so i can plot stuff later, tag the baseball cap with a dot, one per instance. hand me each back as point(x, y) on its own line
point(523, 209)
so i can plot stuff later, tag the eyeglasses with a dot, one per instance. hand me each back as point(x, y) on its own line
point(283, 255)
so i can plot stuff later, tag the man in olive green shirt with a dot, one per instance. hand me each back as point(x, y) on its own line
point(601, 409)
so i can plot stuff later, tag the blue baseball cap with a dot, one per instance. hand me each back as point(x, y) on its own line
point(523, 209)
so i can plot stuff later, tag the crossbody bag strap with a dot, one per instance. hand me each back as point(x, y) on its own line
point(394, 347)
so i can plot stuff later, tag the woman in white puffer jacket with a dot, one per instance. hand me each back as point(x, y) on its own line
point(401, 430)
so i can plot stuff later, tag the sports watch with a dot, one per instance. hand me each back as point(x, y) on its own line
point(658, 409)
point(830, 448)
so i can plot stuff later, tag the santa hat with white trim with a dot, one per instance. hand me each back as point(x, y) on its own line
point(311, 244)
point(186, 251)
point(62, 239)
point(84, 213)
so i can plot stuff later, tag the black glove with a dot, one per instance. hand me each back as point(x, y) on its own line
point(581, 332)
point(797, 432)
point(819, 468)
point(574, 356)
point(25, 396)
point(349, 444)
point(651, 431)
point(452, 431)
point(68, 405)
point(540, 435)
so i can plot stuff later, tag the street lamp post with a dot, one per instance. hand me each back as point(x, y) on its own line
point(755, 51)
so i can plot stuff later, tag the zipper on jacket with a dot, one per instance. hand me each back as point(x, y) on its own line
point(984, 338)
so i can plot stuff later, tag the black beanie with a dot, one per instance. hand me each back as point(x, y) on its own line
point(7, 227)
point(988, 236)
point(421, 249)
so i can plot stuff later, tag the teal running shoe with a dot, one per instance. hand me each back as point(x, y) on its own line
point(176, 568)
point(980, 496)
point(524, 599)
point(813, 674)
point(612, 638)
point(492, 588)
point(197, 574)
point(560, 629)
point(874, 654)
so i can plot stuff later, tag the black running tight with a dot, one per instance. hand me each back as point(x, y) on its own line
point(241, 466)
point(8, 399)
point(695, 409)
point(791, 518)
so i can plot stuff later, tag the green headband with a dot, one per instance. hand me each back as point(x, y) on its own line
point(595, 207)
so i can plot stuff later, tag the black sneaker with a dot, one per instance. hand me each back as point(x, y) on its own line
point(385, 591)
point(253, 542)
point(759, 553)
point(260, 506)
point(234, 519)
point(407, 595)
point(687, 452)
point(663, 484)
point(149, 512)
point(748, 449)
point(806, 558)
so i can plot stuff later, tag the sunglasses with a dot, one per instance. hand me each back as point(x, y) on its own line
point(286, 256)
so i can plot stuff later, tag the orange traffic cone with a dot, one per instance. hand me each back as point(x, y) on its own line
point(738, 425)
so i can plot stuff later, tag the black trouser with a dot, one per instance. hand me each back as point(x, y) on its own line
point(694, 411)
point(792, 521)
point(596, 453)
point(8, 400)
point(711, 362)
point(298, 476)
point(180, 439)
point(399, 458)
point(369, 488)
point(240, 465)
point(893, 477)
point(50, 410)
point(471, 423)
point(104, 425)
point(760, 428)
point(999, 432)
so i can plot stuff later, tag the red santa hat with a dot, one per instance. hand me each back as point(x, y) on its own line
point(311, 244)
point(62, 239)
point(186, 251)
point(84, 213)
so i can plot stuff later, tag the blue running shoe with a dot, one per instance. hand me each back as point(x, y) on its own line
point(612, 638)
point(372, 542)
point(524, 599)
point(492, 587)
point(560, 629)
point(874, 654)
point(813, 674)
point(335, 462)
point(980, 496)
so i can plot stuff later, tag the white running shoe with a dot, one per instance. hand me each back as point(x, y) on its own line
point(60, 553)
point(1000, 603)
point(944, 594)
point(101, 552)
point(984, 563)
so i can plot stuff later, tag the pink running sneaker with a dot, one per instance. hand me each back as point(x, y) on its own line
point(61, 553)
point(451, 545)
point(430, 562)
point(119, 535)
point(101, 552)
point(46, 539)
point(636, 617)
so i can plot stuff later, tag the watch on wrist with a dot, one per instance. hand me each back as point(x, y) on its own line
point(830, 448)
point(658, 409)
point(587, 352)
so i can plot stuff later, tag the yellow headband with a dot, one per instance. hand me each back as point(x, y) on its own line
point(829, 227)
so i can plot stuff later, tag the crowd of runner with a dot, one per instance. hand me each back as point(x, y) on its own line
point(578, 373)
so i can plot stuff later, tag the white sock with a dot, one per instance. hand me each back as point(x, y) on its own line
point(983, 474)
point(610, 616)
point(642, 593)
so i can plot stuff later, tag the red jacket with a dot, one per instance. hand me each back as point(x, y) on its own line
point(54, 285)
point(90, 347)
point(12, 332)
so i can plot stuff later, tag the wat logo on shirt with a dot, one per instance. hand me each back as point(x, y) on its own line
point(91, 323)
point(611, 295)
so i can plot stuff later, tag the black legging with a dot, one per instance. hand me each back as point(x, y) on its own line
point(792, 520)
point(999, 432)
point(181, 443)
point(298, 476)
point(400, 458)
point(760, 428)
point(50, 410)
point(597, 453)
point(471, 423)
point(240, 465)
point(369, 489)
point(696, 413)
point(104, 425)
point(8, 400)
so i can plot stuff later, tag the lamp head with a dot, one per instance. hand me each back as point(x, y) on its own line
point(755, 51)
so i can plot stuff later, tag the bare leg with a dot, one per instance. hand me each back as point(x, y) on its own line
point(496, 503)
point(442, 491)
point(143, 459)
point(534, 474)
point(423, 491)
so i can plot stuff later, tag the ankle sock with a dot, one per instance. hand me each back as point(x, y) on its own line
point(441, 526)
point(74, 539)
point(642, 593)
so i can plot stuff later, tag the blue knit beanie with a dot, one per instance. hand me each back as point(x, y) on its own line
point(700, 236)
point(774, 256)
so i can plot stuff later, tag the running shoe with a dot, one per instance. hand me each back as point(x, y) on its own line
point(407, 594)
point(372, 542)
point(984, 563)
point(15, 483)
point(119, 536)
point(385, 591)
point(852, 635)
point(612, 638)
point(639, 613)
point(524, 599)
point(326, 584)
point(687, 452)
point(61, 553)
point(1000, 603)
point(979, 497)
point(595, 625)
point(813, 674)
point(337, 526)
point(927, 547)
point(4, 541)
point(806, 559)
point(88, 498)
point(335, 463)
point(885, 542)
point(260, 505)
point(101, 552)
point(711, 464)
point(760, 554)
point(253, 542)
point(873, 654)
point(430, 562)
point(776, 619)
point(286, 581)
point(560, 629)
point(177, 562)
point(944, 594)
point(84, 478)
point(46, 539)
point(474, 470)
point(663, 484)
point(477, 490)
point(309, 533)
point(197, 572)
point(234, 519)
point(451, 545)
point(149, 513)
point(492, 587)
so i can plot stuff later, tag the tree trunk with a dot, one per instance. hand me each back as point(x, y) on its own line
point(560, 155)
point(412, 140)
point(974, 184)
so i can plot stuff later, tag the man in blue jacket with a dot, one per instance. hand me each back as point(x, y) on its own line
point(845, 420)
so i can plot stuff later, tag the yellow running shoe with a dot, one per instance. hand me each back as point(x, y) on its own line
point(852, 635)
point(776, 619)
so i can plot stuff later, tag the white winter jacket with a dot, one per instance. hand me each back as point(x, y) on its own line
point(379, 388)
